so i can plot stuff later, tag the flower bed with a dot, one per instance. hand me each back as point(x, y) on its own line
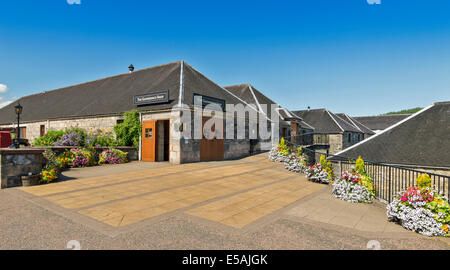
point(421, 209)
point(50, 172)
point(83, 157)
point(112, 156)
point(280, 153)
point(316, 173)
point(296, 163)
point(355, 186)
point(321, 173)
point(76, 158)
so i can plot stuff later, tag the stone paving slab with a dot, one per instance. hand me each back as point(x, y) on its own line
point(245, 208)
point(324, 207)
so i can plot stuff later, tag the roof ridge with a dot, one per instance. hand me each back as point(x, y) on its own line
point(442, 103)
point(335, 120)
point(351, 120)
point(385, 115)
point(96, 80)
point(361, 124)
point(247, 84)
point(319, 109)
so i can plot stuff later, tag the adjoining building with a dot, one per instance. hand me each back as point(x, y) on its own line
point(382, 122)
point(361, 127)
point(421, 140)
point(291, 127)
point(154, 92)
point(331, 133)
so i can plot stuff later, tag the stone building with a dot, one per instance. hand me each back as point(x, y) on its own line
point(163, 95)
point(331, 133)
point(361, 127)
point(419, 141)
point(291, 127)
point(381, 122)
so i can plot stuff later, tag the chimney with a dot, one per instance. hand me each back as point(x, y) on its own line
point(131, 68)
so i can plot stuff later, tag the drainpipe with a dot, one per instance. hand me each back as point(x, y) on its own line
point(140, 139)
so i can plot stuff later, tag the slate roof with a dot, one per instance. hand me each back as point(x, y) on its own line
point(326, 122)
point(251, 95)
point(356, 123)
point(421, 140)
point(114, 95)
point(381, 122)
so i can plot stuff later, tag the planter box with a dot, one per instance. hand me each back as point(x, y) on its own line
point(30, 180)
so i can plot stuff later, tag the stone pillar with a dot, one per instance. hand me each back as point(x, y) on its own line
point(15, 163)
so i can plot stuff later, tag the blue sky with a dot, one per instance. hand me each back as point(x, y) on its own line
point(345, 55)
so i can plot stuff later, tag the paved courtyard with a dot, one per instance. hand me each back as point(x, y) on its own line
point(249, 203)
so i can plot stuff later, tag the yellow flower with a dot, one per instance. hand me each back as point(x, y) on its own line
point(445, 228)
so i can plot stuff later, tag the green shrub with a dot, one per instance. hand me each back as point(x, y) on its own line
point(51, 137)
point(101, 137)
point(424, 181)
point(360, 166)
point(129, 132)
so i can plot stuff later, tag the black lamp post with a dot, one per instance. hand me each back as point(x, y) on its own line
point(19, 109)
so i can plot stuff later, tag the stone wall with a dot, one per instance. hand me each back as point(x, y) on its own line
point(15, 163)
point(335, 141)
point(353, 139)
point(33, 130)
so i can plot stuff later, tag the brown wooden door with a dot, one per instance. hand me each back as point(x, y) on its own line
point(211, 150)
point(23, 133)
point(42, 131)
point(149, 141)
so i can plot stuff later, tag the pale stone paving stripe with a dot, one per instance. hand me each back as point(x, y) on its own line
point(245, 208)
point(121, 191)
point(116, 179)
point(134, 210)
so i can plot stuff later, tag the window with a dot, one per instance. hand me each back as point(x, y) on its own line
point(119, 121)
point(349, 137)
point(148, 133)
point(42, 130)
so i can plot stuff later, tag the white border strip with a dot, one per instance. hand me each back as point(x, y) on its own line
point(334, 120)
point(254, 96)
point(181, 96)
point(386, 130)
point(351, 121)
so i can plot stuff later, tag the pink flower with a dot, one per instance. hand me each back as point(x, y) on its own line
point(404, 199)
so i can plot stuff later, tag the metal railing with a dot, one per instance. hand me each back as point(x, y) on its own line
point(388, 180)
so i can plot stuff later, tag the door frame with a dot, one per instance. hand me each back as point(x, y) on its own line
point(156, 139)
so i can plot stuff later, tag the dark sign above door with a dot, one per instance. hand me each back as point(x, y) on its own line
point(153, 98)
